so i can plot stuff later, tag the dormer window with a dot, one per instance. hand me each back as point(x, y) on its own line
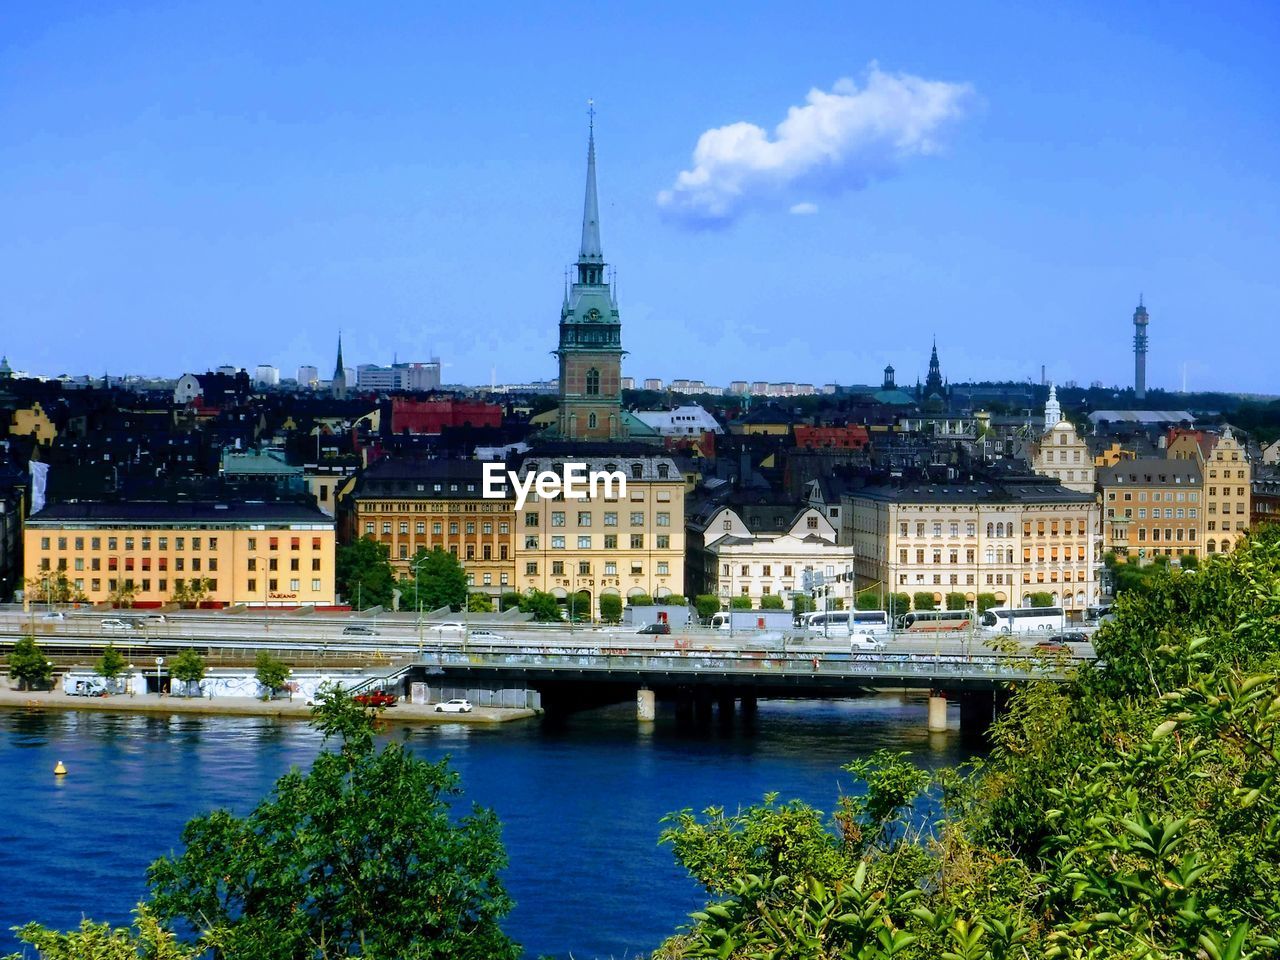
point(637, 470)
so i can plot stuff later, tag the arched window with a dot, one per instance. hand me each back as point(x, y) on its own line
point(1210, 546)
point(991, 529)
point(591, 421)
point(593, 381)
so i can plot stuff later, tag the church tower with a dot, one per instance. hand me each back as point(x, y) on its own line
point(1052, 409)
point(590, 351)
point(338, 388)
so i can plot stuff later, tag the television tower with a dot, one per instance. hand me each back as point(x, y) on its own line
point(1140, 321)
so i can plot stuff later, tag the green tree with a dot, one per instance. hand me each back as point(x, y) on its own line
point(610, 608)
point(542, 605)
point(800, 603)
point(897, 604)
point(956, 601)
point(1041, 598)
point(123, 593)
point(362, 574)
point(772, 601)
point(270, 672)
point(674, 600)
point(835, 603)
point(479, 603)
point(923, 601)
point(740, 603)
point(986, 601)
point(362, 856)
point(640, 600)
point(147, 940)
point(436, 580)
point(1189, 561)
point(189, 667)
point(111, 664)
point(53, 587)
point(28, 665)
point(867, 600)
point(707, 605)
point(509, 600)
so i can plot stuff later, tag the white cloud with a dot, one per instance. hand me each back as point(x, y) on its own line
point(835, 141)
point(804, 208)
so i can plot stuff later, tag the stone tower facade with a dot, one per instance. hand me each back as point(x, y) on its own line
point(590, 350)
point(1140, 321)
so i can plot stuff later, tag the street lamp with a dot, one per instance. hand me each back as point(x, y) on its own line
point(413, 565)
point(129, 684)
point(159, 664)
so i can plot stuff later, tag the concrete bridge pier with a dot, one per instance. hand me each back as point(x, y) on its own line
point(725, 706)
point(749, 706)
point(937, 711)
point(646, 705)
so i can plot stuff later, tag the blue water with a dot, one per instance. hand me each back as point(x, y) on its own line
point(579, 800)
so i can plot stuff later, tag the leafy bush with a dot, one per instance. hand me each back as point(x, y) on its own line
point(610, 608)
point(772, 601)
point(707, 605)
point(956, 601)
point(923, 601)
point(740, 603)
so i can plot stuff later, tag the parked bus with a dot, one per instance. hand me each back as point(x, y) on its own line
point(936, 620)
point(834, 623)
point(1024, 619)
point(869, 621)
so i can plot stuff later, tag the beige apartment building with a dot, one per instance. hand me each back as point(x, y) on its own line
point(732, 556)
point(420, 504)
point(1228, 484)
point(1152, 506)
point(1061, 453)
point(142, 553)
point(1007, 539)
point(623, 544)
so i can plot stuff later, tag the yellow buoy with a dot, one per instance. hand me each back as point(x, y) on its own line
point(59, 770)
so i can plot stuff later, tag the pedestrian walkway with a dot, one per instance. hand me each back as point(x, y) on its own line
point(237, 706)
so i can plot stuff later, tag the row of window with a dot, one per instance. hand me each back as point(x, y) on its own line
point(143, 585)
point(1226, 491)
point(662, 568)
point(162, 543)
point(559, 518)
point(1170, 534)
point(437, 527)
point(996, 579)
point(486, 552)
point(1158, 496)
point(1053, 528)
point(661, 542)
point(993, 555)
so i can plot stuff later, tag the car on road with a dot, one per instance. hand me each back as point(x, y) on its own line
point(1051, 646)
point(112, 623)
point(454, 706)
point(864, 642)
point(155, 618)
point(356, 630)
point(451, 627)
point(655, 629)
point(487, 636)
point(53, 615)
point(1071, 636)
point(375, 698)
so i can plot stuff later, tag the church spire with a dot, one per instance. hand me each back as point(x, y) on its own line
point(338, 387)
point(592, 252)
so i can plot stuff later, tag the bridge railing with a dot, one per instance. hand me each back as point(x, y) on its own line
point(1012, 667)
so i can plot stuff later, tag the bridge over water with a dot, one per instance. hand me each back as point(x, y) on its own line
point(696, 680)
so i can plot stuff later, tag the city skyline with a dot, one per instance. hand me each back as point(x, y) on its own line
point(811, 224)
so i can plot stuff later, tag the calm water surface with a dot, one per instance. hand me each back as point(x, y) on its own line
point(579, 800)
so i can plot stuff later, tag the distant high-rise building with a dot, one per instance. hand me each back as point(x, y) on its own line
point(308, 377)
point(338, 387)
point(266, 375)
point(1140, 321)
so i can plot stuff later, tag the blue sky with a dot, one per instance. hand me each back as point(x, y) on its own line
point(184, 185)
